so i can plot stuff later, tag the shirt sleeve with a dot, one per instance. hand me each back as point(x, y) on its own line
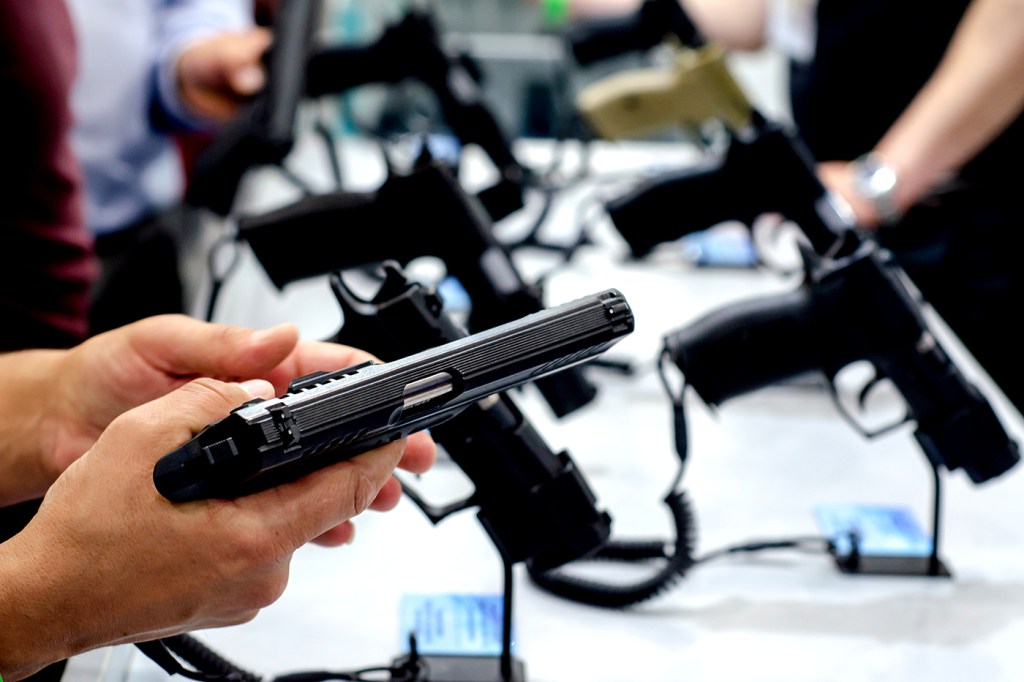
point(180, 23)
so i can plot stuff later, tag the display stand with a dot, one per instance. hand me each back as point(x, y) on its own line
point(932, 566)
point(455, 668)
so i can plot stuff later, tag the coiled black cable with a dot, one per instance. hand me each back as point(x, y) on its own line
point(211, 667)
point(679, 559)
point(208, 665)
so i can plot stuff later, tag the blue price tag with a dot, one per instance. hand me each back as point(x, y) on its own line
point(720, 249)
point(881, 530)
point(453, 624)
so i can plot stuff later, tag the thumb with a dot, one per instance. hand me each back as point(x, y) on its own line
point(321, 500)
point(247, 79)
point(245, 72)
point(127, 451)
point(181, 346)
point(161, 425)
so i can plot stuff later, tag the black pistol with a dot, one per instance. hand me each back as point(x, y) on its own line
point(423, 213)
point(849, 309)
point(535, 504)
point(327, 417)
point(768, 171)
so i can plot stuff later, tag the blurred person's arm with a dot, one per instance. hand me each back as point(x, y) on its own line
point(209, 60)
point(733, 24)
point(976, 91)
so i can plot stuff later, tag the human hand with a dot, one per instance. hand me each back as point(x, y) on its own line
point(217, 74)
point(110, 373)
point(108, 560)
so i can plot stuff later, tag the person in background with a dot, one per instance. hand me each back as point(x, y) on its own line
point(106, 559)
point(265, 11)
point(914, 115)
point(47, 265)
point(152, 72)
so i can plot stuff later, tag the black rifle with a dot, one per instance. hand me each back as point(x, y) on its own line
point(535, 504)
point(849, 309)
point(423, 213)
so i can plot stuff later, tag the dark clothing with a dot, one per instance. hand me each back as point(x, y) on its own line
point(46, 261)
point(139, 272)
point(961, 246)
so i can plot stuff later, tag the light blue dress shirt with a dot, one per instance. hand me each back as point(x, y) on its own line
point(127, 54)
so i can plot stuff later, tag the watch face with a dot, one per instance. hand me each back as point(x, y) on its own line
point(880, 181)
point(876, 182)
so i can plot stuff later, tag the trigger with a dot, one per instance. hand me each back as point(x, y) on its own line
point(862, 397)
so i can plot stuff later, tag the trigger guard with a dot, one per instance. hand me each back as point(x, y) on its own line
point(435, 513)
point(862, 396)
point(861, 399)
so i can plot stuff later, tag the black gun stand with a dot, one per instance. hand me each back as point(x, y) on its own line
point(455, 668)
point(926, 566)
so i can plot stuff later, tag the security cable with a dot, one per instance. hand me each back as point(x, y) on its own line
point(677, 555)
point(210, 667)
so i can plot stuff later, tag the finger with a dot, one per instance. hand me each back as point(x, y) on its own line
point(314, 356)
point(292, 513)
point(342, 534)
point(388, 497)
point(302, 510)
point(157, 427)
point(182, 346)
point(247, 79)
point(311, 356)
point(420, 453)
point(251, 44)
point(243, 67)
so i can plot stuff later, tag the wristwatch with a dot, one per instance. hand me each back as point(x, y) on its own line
point(875, 181)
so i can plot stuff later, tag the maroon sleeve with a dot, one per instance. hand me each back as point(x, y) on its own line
point(47, 264)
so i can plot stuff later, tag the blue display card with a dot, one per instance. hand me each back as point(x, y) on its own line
point(453, 624)
point(881, 530)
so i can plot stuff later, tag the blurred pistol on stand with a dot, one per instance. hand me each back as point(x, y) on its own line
point(299, 68)
point(767, 171)
point(697, 90)
point(533, 503)
point(851, 309)
point(423, 213)
point(411, 49)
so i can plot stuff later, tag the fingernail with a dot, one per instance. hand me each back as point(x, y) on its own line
point(258, 388)
point(261, 335)
point(249, 79)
